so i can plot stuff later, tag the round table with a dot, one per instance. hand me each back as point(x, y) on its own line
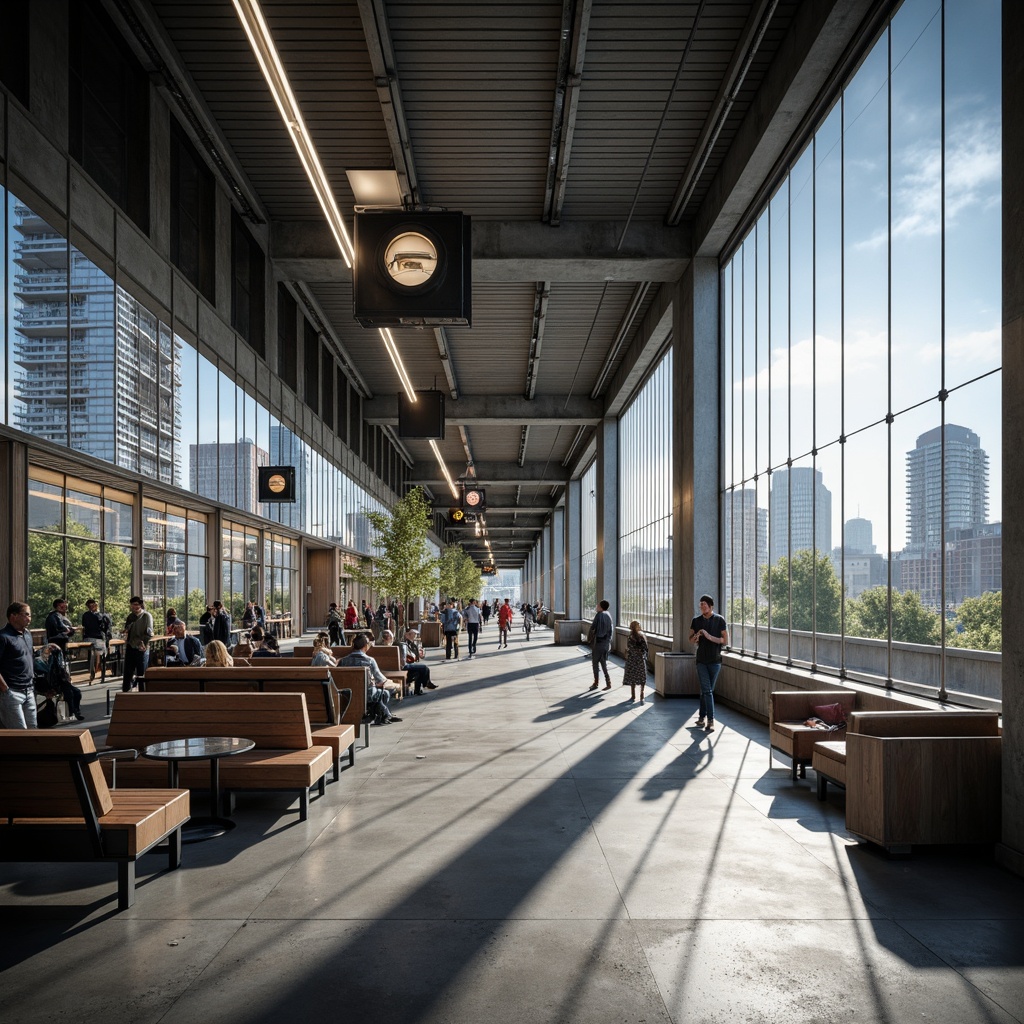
point(200, 748)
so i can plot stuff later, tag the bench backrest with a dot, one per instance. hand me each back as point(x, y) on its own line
point(793, 705)
point(388, 658)
point(925, 723)
point(322, 700)
point(269, 676)
point(43, 784)
point(273, 721)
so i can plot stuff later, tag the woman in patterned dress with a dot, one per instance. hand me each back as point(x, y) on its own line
point(636, 661)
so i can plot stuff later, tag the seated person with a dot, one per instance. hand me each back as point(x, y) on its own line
point(378, 680)
point(52, 678)
point(182, 649)
point(217, 655)
point(322, 654)
point(269, 648)
point(417, 670)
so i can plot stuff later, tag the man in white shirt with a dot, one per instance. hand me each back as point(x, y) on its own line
point(473, 616)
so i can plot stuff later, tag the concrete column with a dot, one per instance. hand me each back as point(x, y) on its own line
point(607, 515)
point(1010, 852)
point(573, 576)
point(14, 523)
point(696, 445)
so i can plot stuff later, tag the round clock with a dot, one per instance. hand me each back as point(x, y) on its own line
point(277, 483)
point(410, 259)
point(473, 498)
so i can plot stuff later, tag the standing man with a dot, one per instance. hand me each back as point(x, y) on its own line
point(602, 628)
point(451, 622)
point(138, 631)
point(58, 626)
point(221, 624)
point(504, 623)
point(473, 618)
point(95, 629)
point(710, 633)
point(17, 670)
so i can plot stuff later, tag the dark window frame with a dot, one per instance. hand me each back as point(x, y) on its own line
point(193, 221)
point(248, 303)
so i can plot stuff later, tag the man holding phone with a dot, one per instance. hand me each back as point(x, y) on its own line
point(710, 633)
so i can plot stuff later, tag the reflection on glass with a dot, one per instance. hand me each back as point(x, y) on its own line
point(45, 506)
point(204, 468)
point(39, 325)
point(187, 391)
point(93, 369)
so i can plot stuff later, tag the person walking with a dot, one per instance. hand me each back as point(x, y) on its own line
point(138, 631)
point(636, 661)
point(602, 628)
point(334, 624)
point(485, 612)
point(709, 631)
point(504, 623)
point(473, 616)
point(528, 619)
point(451, 622)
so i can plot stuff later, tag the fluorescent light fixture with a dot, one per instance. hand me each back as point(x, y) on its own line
point(444, 469)
point(375, 188)
point(396, 359)
point(262, 43)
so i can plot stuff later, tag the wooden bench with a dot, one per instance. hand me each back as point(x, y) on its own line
point(284, 758)
point(55, 806)
point(787, 712)
point(326, 704)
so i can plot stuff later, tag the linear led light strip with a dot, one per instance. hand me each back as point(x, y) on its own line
point(444, 469)
point(262, 43)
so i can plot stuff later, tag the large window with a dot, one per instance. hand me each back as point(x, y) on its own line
point(80, 545)
point(588, 540)
point(241, 566)
point(645, 505)
point(861, 338)
point(174, 563)
point(247, 285)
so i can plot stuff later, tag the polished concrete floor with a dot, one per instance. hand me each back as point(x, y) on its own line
point(519, 849)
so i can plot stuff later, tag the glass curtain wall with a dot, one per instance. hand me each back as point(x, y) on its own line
point(645, 505)
point(240, 561)
point(281, 582)
point(588, 541)
point(861, 321)
point(89, 367)
point(80, 546)
point(174, 562)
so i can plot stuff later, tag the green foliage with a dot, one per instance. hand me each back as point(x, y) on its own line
point(82, 579)
point(912, 623)
point(458, 575)
point(744, 610)
point(979, 623)
point(816, 593)
point(403, 566)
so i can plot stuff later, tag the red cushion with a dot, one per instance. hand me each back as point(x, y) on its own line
point(831, 714)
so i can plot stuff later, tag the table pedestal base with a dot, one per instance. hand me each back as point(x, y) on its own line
point(199, 829)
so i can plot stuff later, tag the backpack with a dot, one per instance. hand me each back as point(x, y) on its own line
point(57, 675)
point(46, 714)
point(106, 626)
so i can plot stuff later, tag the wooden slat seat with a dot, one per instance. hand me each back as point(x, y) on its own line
point(321, 687)
point(284, 758)
point(55, 806)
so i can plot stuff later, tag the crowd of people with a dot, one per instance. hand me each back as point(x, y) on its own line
point(26, 673)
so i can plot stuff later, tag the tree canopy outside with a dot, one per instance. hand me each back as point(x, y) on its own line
point(912, 622)
point(458, 575)
point(978, 624)
point(403, 566)
point(817, 593)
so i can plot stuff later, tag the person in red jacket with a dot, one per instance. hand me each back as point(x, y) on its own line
point(351, 616)
point(504, 623)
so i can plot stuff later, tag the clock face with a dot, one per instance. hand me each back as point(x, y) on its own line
point(277, 483)
point(473, 498)
point(410, 259)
